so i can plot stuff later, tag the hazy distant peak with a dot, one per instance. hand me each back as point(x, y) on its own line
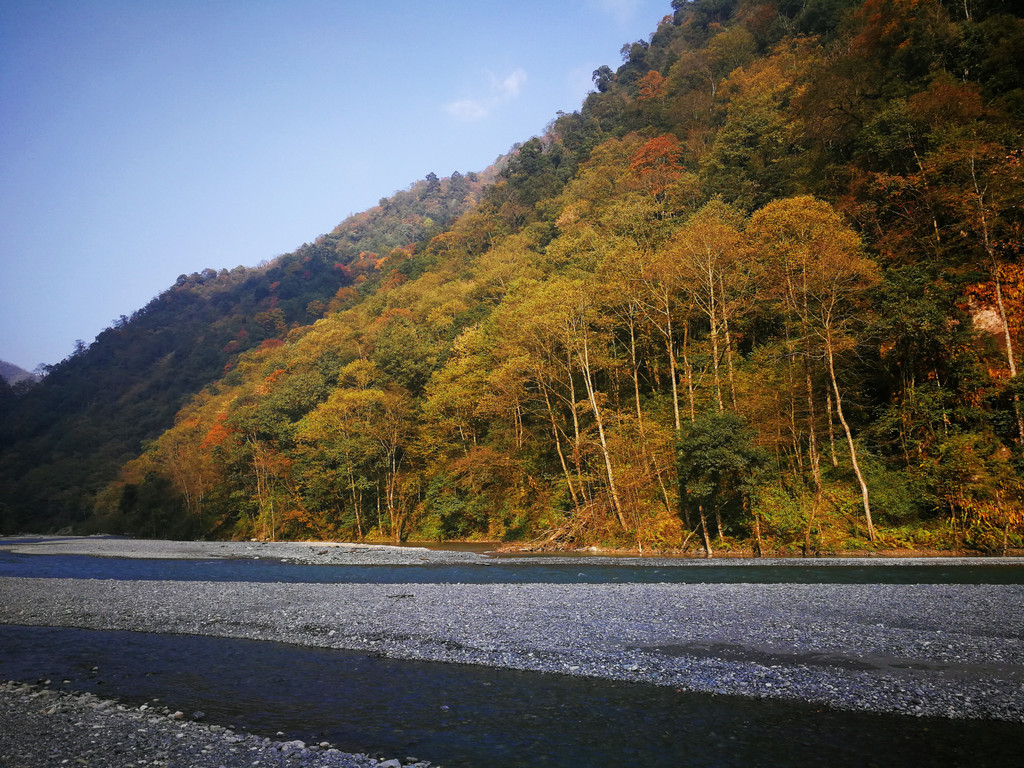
point(12, 373)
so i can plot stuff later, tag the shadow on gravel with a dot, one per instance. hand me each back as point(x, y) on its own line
point(463, 716)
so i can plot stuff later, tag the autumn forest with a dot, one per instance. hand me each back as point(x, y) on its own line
point(762, 292)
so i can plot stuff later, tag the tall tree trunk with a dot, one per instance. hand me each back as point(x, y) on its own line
point(661, 484)
point(577, 436)
point(389, 489)
point(635, 365)
point(558, 447)
point(355, 503)
point(520, 429)
point(831, 431)
point(704, 531)
point(264, 490)
point(670, 348)
point(728, 346)
point(688, 367)
point(713, 320)
point(758, 547)
point(588, 380)
point(815, 458)
point(794, 432)
point(660, 315)
point(849, 437)
point(812, 432)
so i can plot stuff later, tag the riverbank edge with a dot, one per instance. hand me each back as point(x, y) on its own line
point(514, 549)
point(748, 553)
point(327, 552)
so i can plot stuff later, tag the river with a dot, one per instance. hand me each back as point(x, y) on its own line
point(463, 716)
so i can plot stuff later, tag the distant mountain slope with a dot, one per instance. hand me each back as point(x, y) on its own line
point(65, 438)
point(12, 374)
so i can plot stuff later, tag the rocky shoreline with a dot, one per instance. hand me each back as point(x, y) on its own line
point(45, 727)
point(942, 650)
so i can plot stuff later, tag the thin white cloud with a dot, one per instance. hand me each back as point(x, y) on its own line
point(501, 90)
point(509, 87)
point(467, 110)
point(620, 10)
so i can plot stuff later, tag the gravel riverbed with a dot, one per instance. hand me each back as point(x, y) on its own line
point(943, 650)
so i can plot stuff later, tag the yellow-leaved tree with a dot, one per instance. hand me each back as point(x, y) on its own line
point(818, 275)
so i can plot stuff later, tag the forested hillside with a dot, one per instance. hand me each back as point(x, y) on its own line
point(65, 438)
point(763, 290)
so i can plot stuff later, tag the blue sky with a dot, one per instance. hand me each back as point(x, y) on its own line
point(140, 140)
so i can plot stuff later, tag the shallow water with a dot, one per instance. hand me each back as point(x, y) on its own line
point(268, 570)
point(468, 716)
